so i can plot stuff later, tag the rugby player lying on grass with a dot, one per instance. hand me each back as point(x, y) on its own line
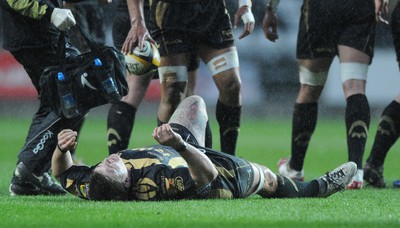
point(179, 167)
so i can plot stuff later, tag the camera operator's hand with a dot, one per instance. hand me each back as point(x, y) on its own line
point(62, 19)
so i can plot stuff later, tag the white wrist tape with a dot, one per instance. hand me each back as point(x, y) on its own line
point(244, 3)
point(273, 4)
point(248, 17)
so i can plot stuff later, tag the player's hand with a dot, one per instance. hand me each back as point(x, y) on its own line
point(67, 139)
point(381, 10)
point(166, 136)
point(62, 19)
point(244, 13)
point(136, 37)
point(270, 24)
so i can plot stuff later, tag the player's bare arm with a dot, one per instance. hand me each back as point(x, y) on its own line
point(381, 10)
point(138, 32)
point(62, 159)
point(200, 166)
point(244, 13)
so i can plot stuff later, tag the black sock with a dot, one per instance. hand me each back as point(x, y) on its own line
point(208, 139)
point(357, 123)
point(229, 123)
point(386, 135)
point(303, 126)
point(120, 121)
point(289, 188)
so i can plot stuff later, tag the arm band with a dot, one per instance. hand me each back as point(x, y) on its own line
point(244, 3)
point(182, 147)
point(61, 150)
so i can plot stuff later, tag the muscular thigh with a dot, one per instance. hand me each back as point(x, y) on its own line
point(181, 27)
point(326, 24)
point(358, 30)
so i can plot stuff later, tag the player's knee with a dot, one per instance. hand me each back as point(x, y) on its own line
point(231, 89)
point(172, 74)
point(270, 182)
point(353, 71)
point(308, 77)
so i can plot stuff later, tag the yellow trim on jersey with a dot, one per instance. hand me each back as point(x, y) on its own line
point(224, 172)
point(144, 162)
point(29, 8)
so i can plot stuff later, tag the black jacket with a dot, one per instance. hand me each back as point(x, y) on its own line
point(26, 23)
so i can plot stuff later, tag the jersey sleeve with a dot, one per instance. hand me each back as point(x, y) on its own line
point(76, 180)
point(29, 8)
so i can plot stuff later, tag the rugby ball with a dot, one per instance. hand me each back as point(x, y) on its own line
point(140, 62)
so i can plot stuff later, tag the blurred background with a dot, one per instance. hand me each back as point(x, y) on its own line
point(268, 71)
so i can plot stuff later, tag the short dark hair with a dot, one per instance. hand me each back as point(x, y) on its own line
point(103, 188)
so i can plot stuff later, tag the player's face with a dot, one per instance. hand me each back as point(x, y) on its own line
point(114, 168)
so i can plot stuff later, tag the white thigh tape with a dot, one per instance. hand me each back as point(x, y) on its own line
point(223, 62)
point(312, 78)
point(172, 74)
point(350, 71)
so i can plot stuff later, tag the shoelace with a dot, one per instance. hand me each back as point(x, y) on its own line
point(332, 179)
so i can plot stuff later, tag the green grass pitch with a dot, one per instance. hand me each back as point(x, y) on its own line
point(262, 141)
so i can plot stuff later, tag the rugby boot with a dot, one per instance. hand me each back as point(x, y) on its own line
point(337, 179)
point(357, 181)
point(285, 170)
point(25, 182)
point(374, 176)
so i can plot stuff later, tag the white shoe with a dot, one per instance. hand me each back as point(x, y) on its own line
point(357, 181)
point(337, 179)
point(285, 170)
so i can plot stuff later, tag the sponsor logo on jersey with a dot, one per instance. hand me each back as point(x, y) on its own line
point(179, 184)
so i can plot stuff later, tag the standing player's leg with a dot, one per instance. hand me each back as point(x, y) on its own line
point(354, 67)
point(355, 49)
point(389, 125)
point(173, 78)
point(315, 51)
point(312, 75)
point(121, 116)
point(224, 66)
